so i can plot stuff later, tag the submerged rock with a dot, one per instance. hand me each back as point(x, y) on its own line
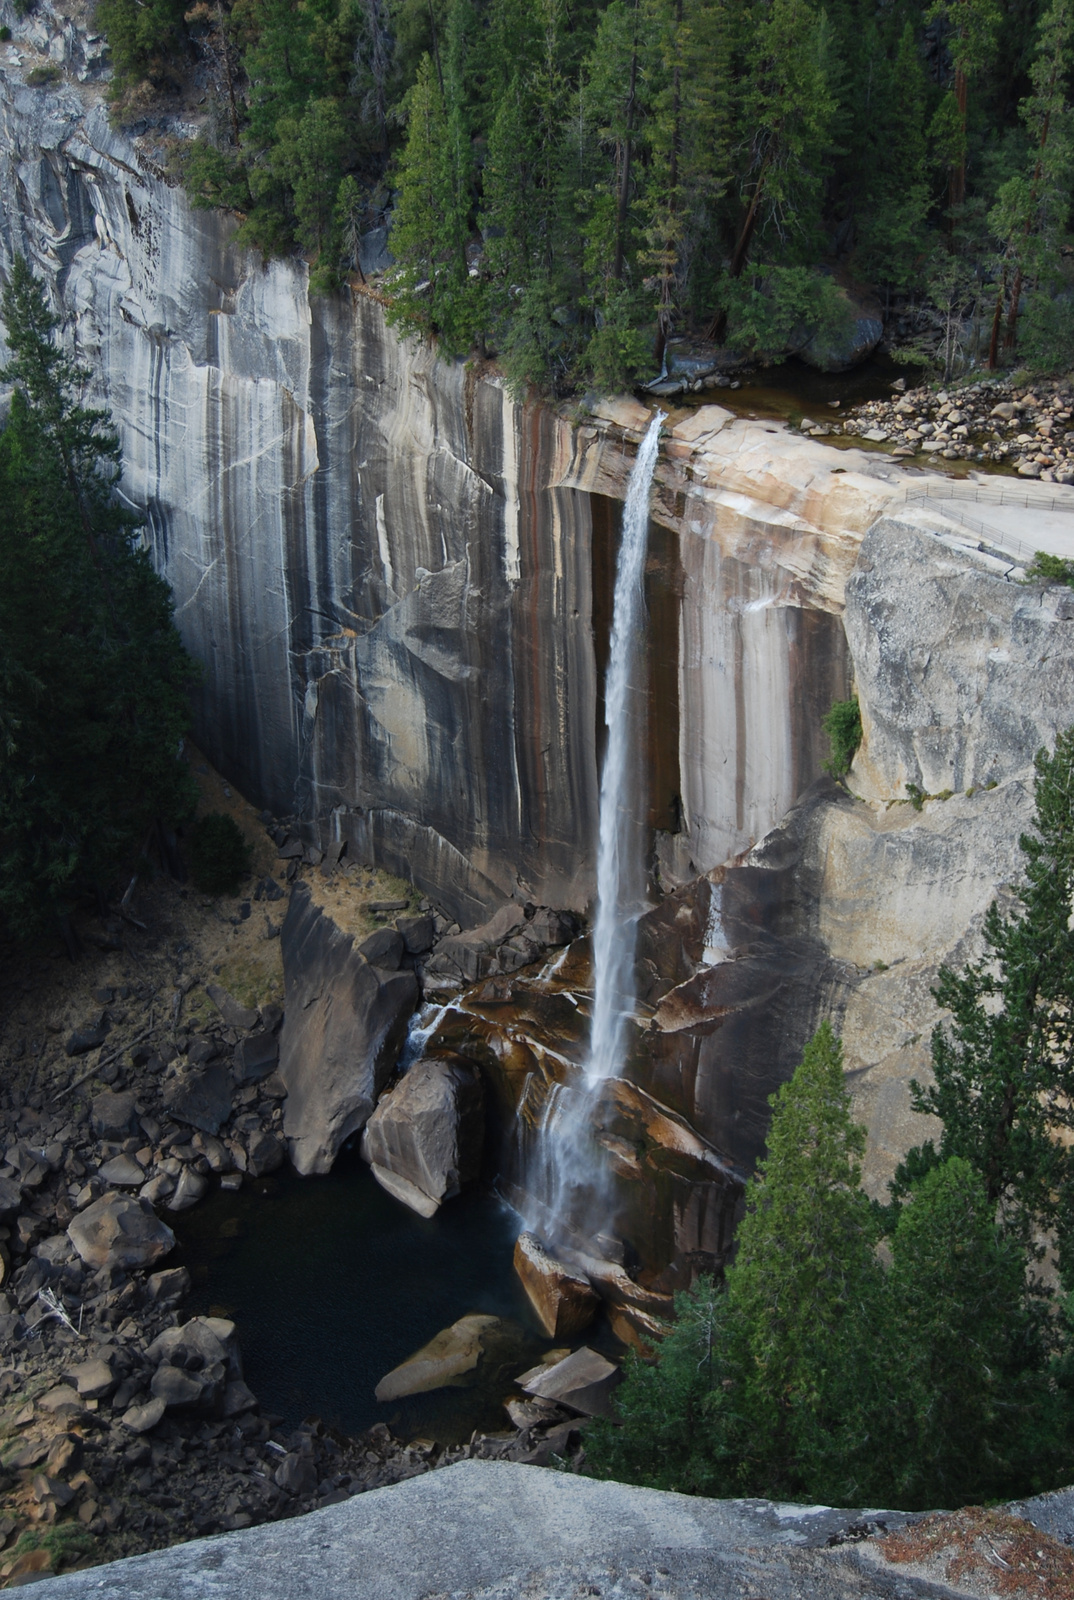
point(445, 1361)
point(564, 1300)
point(345, 1022)
point(424, 1141)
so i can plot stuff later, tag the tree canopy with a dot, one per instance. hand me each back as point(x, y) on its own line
point(93, 676)
point(570, 183)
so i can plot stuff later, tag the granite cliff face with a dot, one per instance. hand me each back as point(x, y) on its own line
point(395, 577)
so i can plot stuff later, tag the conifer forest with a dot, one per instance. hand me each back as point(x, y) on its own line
point(568, 184)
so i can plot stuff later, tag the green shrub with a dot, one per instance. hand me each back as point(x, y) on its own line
point(5, 34)
point(1045, 568)
point(39, 77)
point(218, 853)
point(843, 727)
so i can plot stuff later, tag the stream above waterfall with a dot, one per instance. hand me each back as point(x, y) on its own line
point(332, 1283)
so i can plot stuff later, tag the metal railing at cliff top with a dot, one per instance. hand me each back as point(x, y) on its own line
point(1026, 497)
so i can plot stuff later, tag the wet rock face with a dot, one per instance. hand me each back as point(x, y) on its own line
point(345, 1021)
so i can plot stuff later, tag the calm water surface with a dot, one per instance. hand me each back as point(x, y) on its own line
point(332, 1283)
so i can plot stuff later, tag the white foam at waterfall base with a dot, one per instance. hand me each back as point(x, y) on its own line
point(564, 1171)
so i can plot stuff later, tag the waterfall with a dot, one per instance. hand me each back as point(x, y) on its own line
point(565, 1174)
point(620, 863)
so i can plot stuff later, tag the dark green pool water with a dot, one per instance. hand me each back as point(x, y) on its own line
point(332, 1283)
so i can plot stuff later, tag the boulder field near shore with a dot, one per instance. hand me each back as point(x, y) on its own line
point(138, 1082)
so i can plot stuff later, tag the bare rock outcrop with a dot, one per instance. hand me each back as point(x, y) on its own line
point(345, 1021)
point(962, 674)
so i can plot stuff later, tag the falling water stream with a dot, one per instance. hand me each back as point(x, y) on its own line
point(567, 1179)
point(620, 848)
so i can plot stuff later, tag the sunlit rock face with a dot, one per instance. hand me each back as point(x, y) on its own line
point(390, 571)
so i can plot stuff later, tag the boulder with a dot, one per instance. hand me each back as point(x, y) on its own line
point(158, 1188)
point(853, 335)
point(122, 1172)
point(188, 1191)
point(92, 1379)
point(564, 1300)
point(181, 1390)
point(195, 1364)
point(383, 949)
point(444, 1362)
point(86, 1039)
point(168, 1286)
point(200, 1097)
point(234, 1013)
point(112, 1114)
point(418, 933)
point(238, 1398)
point(256, 1056)
point(424, 1141)
point(584, 1381)
point(10, 1198)
point(344, 1025)
point(62, 1398)
point(205, 1339)
point(120, 1231)
point(141, 1418)
point(550, 927)
point(264, 1153)
point(296, 1474)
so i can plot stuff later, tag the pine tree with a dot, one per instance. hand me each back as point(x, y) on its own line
point(431, 289)
point(805, 1281)
point(970, 1404)
point(94, 675)
point(1004, 1064)
point(1032, 210)
point(817, 1374)
point(971, 27)
point(895, 200)
point(687, 135)
point(787, 112)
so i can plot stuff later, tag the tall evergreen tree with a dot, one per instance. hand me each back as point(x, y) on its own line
point(432, 290)
point(94, 679)
point(1032, 210)
point(1004, 1064)
point(971, 28)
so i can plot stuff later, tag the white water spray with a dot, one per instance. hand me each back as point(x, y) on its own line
point(564, 1173)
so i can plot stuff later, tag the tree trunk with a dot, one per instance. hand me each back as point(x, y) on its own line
point(957, 186)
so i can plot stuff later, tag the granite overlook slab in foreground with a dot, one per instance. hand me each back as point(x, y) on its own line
point(494, 1529)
